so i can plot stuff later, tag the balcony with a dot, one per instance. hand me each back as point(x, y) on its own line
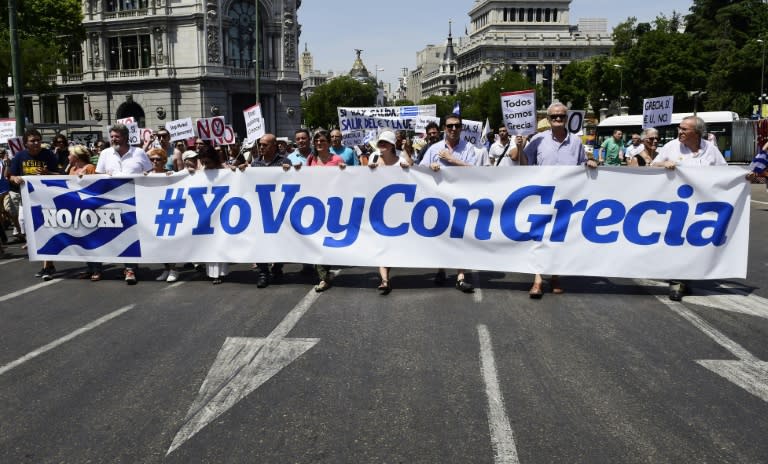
point(127, 73)
point(125, 14)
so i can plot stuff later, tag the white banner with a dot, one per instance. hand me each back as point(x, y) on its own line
point(180, 129)
point(378, 118)
point(657, 111)
point(692, 223)
point(7, 129)
point(519, 112)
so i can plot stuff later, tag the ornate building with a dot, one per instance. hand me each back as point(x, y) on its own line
point(160, 60)
point(534, 37)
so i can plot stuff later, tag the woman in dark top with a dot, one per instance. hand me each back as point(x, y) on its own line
point(650, 139)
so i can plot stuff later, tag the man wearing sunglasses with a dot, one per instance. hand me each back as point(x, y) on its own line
point(555, 147)
point(452, 151)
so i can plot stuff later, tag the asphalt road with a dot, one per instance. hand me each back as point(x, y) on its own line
point(609, 372)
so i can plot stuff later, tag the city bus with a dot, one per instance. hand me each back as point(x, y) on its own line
point(735, 137)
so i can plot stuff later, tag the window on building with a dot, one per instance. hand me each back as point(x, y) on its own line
point(554, 15)
point(129, 52)
point(530, 15)
point(547, 12)
point(75, 107)
point(75, 61)
point(112, 6)
point(521, 14)
point(512, 14)
point(5, 108)
point(533, 54)
point(50, 108)
point(538, 15)
point(29, 112)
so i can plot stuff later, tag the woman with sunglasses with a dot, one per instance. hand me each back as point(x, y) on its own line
point(650, 140)
point(323, 157)
point(159, 158)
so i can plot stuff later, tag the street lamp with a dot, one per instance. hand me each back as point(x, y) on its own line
point(621, 82)
point(762, 79)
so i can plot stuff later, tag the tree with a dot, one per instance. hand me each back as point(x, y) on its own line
point(485, 101)
point(443, 104)
point(320, 109)
point(49, 30)
point(404, 102)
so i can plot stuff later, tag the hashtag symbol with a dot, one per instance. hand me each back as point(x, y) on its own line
point(170, 212)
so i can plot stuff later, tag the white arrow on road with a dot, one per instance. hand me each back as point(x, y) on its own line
point(748, 372)
point(242, 366)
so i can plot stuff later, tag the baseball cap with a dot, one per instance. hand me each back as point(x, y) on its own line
point(387, 136)
point(189, 154)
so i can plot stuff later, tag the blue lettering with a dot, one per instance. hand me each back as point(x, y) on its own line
point(565, 209)
point(443, 217)
point(635, 215)
point(271, 222)
point(205, 211)
point(352, 227)
point(376, 215)
point(244, 215)
point(695, 234)
point(318, 215)
point(462, 208)
point(679, 210)
point(538, 221)
point(592, 221)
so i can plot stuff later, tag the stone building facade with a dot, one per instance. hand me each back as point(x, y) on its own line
point(161, 60)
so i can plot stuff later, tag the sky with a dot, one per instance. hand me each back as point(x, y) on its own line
point(390, 33)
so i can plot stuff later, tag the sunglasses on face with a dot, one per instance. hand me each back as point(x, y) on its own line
point(453, 126)
point(556, 117)
point(155, 160)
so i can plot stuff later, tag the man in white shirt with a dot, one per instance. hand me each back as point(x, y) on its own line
point(121, 159)
point(689, 149)
point(634, 148)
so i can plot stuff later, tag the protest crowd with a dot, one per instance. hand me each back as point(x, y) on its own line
point(303, 149)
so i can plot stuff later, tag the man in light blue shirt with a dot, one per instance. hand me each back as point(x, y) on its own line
point(303, 149)
point(346, 153)
point(453, 150)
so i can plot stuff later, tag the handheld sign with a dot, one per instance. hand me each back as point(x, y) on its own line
point(254, 123)
point(7, 129)
point(657, 111)
point(181, 129)
point(126, 121)
point(211, 128)
point(228, 138)
point(519, 111)
point(575, 121)
point(472, 132)
point(16, 144)
point(134, 137)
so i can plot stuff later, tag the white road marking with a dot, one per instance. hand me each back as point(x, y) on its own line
point(242, 366)
point(748, 372)
point(9, 261)
point(65, 338)
point(761, 202)
point(23, 291)
point(502, 437)
point(477, 296)
point(174, 285)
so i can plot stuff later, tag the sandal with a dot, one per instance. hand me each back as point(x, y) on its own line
point(554, 283)
point(323, 286)
point(95, 277)
point(384, 288)
point(535, 291)
point(464, 286)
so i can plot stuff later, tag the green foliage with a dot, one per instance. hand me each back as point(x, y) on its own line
point(485, 101)
point(320, 109)
point(48, 31)
point(404, 102)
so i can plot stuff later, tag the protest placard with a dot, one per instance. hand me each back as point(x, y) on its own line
point(519, 111)
point(211, 128)
point(657, 111)
point(181, 129)
point(254, 123)
point(7, 129)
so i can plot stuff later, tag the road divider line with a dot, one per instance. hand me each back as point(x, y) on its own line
point(65, 339)
point(502, 437)
point(761, 202)
point(24, 291)
point(477, 295)
point(9, 261)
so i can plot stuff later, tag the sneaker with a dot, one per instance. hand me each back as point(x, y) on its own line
point(277, 274)
point(48, 273)
point(163, 276)
point(130, 277)
point(41, 272)
point(173, 276)
point(262, 281)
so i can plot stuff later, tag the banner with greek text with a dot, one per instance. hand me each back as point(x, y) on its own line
point(519, 111)
point(690, 223)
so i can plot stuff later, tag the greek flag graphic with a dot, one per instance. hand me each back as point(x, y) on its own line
point(84, 217)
